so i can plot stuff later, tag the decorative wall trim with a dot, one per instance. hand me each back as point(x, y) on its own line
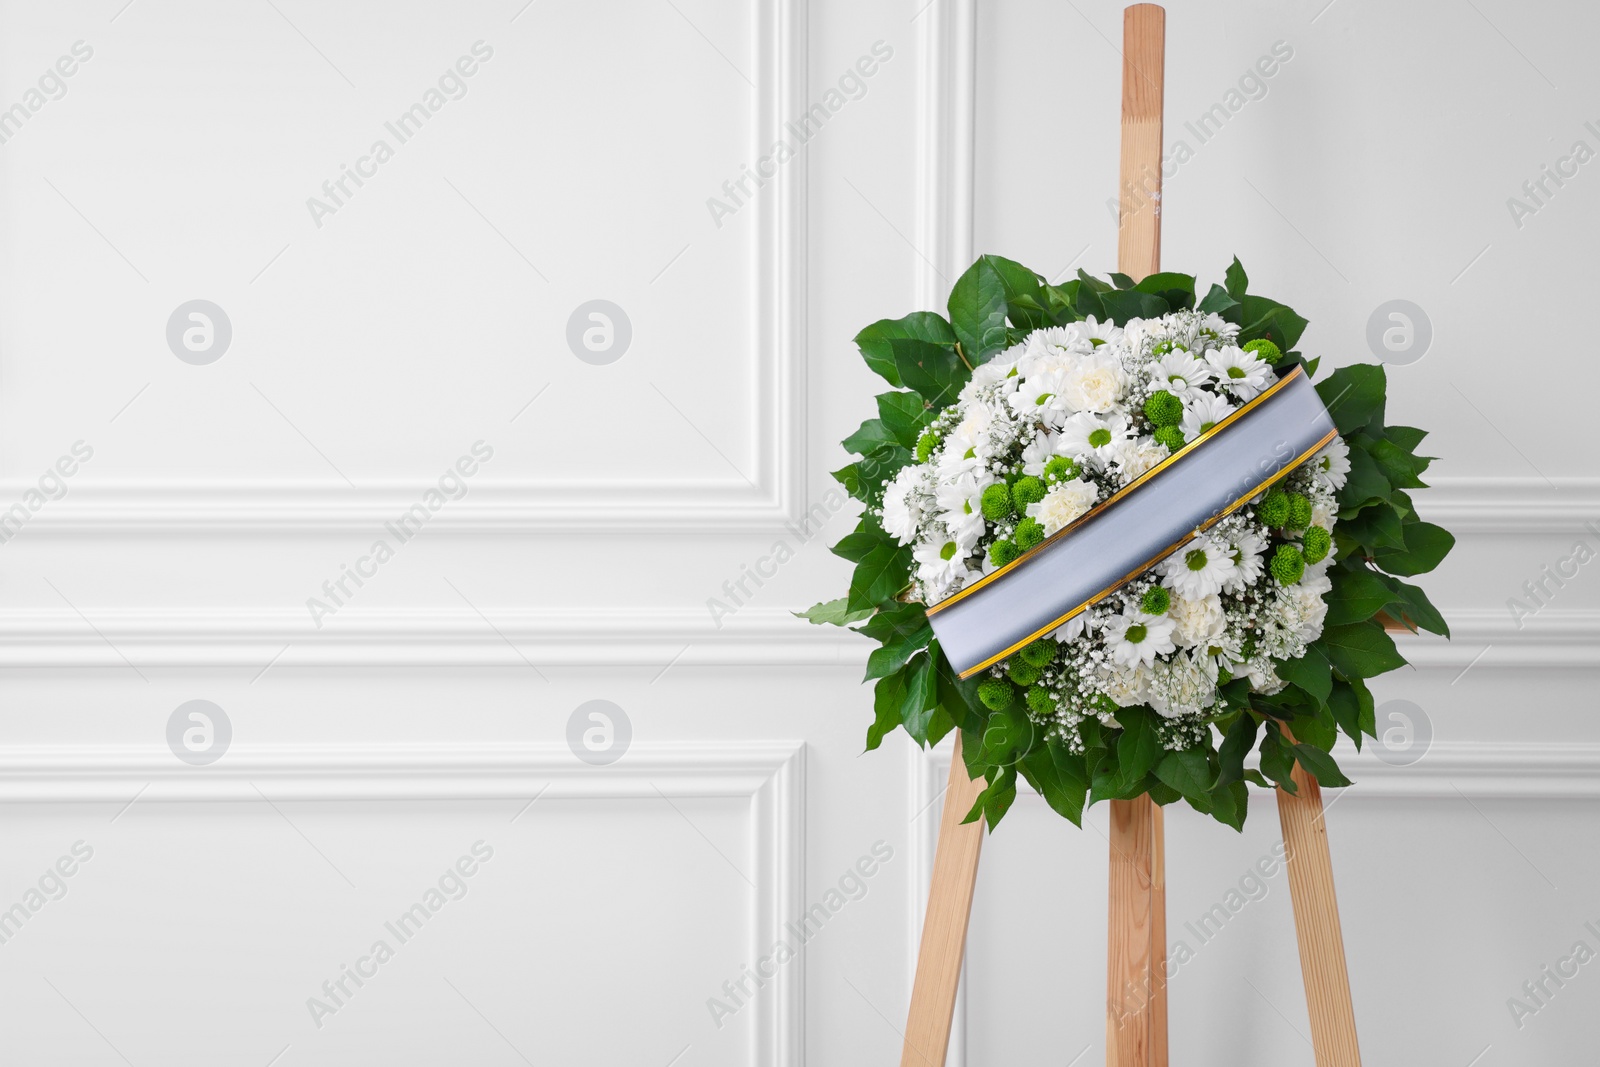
point(947, 104)
point(771, 775)
point(1499, 771)
point(1486, 638)
point(777, 406)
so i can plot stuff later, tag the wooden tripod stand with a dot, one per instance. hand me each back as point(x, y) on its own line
point(1136, 971)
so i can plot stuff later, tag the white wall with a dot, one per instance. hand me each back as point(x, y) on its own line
point(424, 314)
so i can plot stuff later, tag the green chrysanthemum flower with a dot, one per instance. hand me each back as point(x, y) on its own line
point(1288, 565)
point(1060, 469)
point(1265, 350)
point(1163, 409)
point(996, 693)
point(1028, 490)
point(925, 446)
point(1274, 508)
point(997, 503)
point(1040, 653)
point(1171, 436)
point(1040, 702)
point(1002, 552)
point(1021, 672)
point(1299, 511)
point(1028, 534)
point(1156, 601)
point(1316, 544)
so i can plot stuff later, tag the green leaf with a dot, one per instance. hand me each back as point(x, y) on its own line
point(1345, 704)
point(1230, 803)
point(1407, 437)
point(888, 697)
point(834, 613)
point(1218, 301)
point(920, 698)
point(1377, 528)
point(1276, 322)
point(1189, 772)
point(904, 416)
point(1399, 466)
point(1236, 744)
point(1310, 672)
point(978, 304)
point(1425, 545)
point(858, 544)
point(1415, 607)
point(1121, 281)
point(1357, 595)
point(1124, 305)
point(1139, 746)
point(1320, 729)
point(880, 575)
point(1237, 281)
point(1354, 395)
point(934, 371)
point(1276, 761)
point(1365, 484)
point(1361, 650)
point(1060, 779)
point(1007, 735)
point(910, 635)
point(1321, 765)
point(875, 342)
point(871, 436)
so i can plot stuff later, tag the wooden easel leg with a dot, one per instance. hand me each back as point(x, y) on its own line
point(1316, 924)
point(944, 924)
point(1130, 989)
point(1136, 988)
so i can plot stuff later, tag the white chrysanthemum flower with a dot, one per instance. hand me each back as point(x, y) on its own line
point(1064, 502)
point(1181, 686)
point(1086, 435)
point(1094, 382)
point(1001, 368)
point(1248, 562)
point(960, 509)
point(1310, 606)
point(1101, 333)
point(1244, 374)
point(1224, 331)
point(1198, 569)
point(902, 503)
point(1084, 622)
point(1197, 621)
point(1222, 653)
point(940, 568)
point(1126, 686)
point(1040, 391)
point(1263, 679)
point(1138, 638)
point(1135, 458)
point(1039, 452)
point(1204, 412)
point(1179, 373)
point(1331, 466)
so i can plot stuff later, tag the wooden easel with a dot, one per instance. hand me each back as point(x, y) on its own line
point(1136, 992)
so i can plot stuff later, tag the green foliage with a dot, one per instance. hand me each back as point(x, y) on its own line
point(1379, 541)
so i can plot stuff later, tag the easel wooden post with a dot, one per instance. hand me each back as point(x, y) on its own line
point(1136, 988)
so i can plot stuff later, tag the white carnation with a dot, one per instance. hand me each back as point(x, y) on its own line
point(1064, 502)
point(1198, 621)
